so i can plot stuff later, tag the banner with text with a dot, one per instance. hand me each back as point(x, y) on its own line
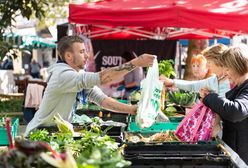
point(108, 52)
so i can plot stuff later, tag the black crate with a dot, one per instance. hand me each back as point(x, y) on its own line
point(106, 115)
point(206, 161)
point(172, 148)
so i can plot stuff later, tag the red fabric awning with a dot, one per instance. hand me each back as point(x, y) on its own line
point(207, 14)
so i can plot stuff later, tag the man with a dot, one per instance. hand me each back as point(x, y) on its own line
point(65, 81)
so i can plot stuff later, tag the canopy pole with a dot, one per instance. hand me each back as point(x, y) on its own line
point(180, 60)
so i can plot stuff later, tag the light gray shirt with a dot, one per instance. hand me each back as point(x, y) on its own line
point(60, 94)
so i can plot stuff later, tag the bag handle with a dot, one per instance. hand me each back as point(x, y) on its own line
point(153, 72)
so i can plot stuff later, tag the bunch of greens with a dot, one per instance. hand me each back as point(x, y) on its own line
point(135, 95)
point(182, 98)
point(166, 68)
point(92, 149)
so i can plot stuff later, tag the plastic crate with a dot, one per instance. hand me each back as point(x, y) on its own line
point(3, 132)
point(172, 149)
point(182, 162)
point(106, 115)
point(177, 154)
point(155, 128)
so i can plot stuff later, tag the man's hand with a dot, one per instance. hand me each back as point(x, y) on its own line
point(133, 109)
point(167, 81)
point(143, 60)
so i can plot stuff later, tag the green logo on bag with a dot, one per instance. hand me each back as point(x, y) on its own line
point(156, 99)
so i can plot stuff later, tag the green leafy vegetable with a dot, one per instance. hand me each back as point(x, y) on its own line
point(166, 68)
point(182, 98)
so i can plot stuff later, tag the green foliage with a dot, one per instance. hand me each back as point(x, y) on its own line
point(56, 9)
point(93, 149)
point(40, 135)
point(182, 98)
point(45, 11)
point(11, 105)
point(166, 68)
point(10, 9)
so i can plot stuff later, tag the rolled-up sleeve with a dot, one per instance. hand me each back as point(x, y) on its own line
point(195, 86)
point(96, 95)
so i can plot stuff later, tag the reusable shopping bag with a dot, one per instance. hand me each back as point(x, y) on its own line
point(149, 104)
point(197, 125)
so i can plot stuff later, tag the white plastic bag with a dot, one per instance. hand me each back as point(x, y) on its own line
point(149, 104)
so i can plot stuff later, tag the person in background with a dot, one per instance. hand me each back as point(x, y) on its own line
point(200, 72)
point(131, 80)
point(234, 108)
point(7, 63)
point(65, 81)
point(199, 66)
point(34, 69)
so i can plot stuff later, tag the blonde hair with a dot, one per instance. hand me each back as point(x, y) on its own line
point(214, 53)
point(236, 58)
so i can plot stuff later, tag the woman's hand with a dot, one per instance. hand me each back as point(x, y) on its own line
point(204, 92)
point(167, 81)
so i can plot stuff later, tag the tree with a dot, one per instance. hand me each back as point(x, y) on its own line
point(9, 10)
point(57, 9)
point(45, 11)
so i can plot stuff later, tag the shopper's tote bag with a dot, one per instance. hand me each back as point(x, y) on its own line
point(197, 125)
point(149, 104)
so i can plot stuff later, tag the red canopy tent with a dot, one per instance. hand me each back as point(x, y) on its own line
point(161, 19)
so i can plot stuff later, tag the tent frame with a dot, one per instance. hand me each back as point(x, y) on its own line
point(158, 33)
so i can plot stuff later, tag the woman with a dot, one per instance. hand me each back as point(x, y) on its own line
point(234, 108)
point(218, 82)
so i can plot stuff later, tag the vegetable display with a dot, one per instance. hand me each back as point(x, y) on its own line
point(182, 98)
point(90, 147)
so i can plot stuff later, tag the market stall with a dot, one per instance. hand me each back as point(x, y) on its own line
point(136, 19)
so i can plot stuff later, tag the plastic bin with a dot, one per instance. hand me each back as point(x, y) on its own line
point(182, 162)
point(177, 154)
point(106, 115)
point(3, 132)
point(172, 149)
point(155, 128)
